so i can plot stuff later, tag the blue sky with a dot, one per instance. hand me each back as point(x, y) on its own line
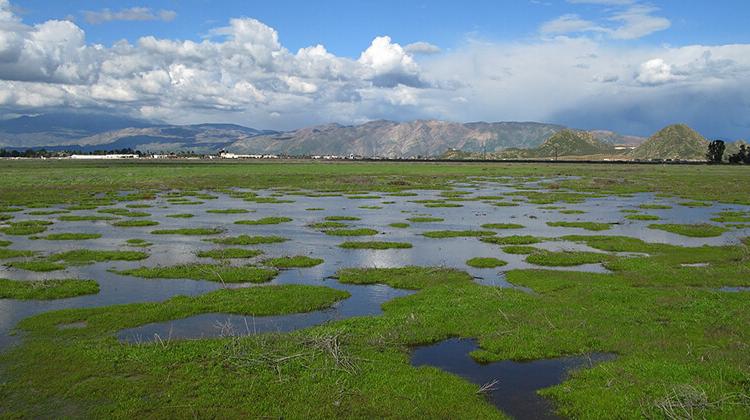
point(627, 65)
point(346, 27)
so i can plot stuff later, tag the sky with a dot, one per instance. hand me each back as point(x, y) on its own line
point(631, 66)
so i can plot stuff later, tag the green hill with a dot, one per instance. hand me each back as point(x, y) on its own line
point(676, 142)
point(572, 143)
point(563, 143)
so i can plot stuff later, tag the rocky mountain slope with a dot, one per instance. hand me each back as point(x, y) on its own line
point(676, 142)
point(416, 138)
point(88, 132)
point(427, 138)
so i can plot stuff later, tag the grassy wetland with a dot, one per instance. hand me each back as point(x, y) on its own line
point(626, 285)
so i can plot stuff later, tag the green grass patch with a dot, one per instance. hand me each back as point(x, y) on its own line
point(399, 225)
point(643, 217)
point(342, 218)
point(46, 289)
point(228, 253)
point(502, 226)
point(181, 216)
point(572, 212)
point(513, 240)
point(655, 207)
point(445, 205)
point(264, 221)
point(208, 272)
point(485, 262)
point(519, 249)
point(40, 266)
point(141, 243)
point(732, 217)
point(695, 204)
point(188, 231)
point(425, 219)
point(702, 230)
point(15, 253)
point(300, 261)
point(413, 278)
point(25, 227)
point(593, 226)
point(71, 236)
point(328, 225)
point(90, 256)
point(135, 223)
point(566, 258)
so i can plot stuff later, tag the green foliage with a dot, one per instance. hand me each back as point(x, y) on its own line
point(46, 289)
point(502, 226)
point(228, 253)
point(566, 258)
point(655, 207)
point(519, 249)
point(209, 272)
point(485, 262)
point(90, 256)
point(403, 278)
point(594, 226)
point(70, 236)
point(14, 253)
point(300, 261)
point(142, 243)
point(423, 219)
point(180, 216)
point(40, 266)
point(702, 230)
point(25, 227)
point(264, 221)
point(513, 240)
point(642, 217)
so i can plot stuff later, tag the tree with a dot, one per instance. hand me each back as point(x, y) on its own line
point(740, 157)
point(715, 151)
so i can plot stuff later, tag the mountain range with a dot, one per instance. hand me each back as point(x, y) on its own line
point(89, 132)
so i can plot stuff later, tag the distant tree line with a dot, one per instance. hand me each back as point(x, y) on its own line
point(716, 149)
point(40, 153)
